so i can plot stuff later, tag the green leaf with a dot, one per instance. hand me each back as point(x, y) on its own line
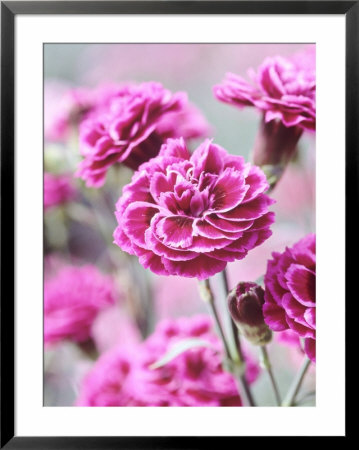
point(177, 349)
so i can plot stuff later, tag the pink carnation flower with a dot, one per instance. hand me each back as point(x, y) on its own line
point(190, 215)
point(282, 89)
point(57, 190)
point(290, 292)
point(72, 300)
point(131, 128)
point(126, 377)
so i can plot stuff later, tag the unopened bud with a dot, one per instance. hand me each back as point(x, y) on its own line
point(245, 303)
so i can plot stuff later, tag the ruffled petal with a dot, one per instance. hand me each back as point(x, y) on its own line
point(175, 231)
point(249, 211)
point(301, 283)
point(208, 158)
point(201, 267)
point(227, 225)
point(274, 316)
point(136, 220)
point(257, 184)
point(228, 191)
point(203, 228)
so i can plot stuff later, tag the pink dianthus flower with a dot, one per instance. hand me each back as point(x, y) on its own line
point(290, 292)
point(57, 190)
point(131, 127)
point(195, 377)
point(72, 300)
point(190, 215)
point(282, 89)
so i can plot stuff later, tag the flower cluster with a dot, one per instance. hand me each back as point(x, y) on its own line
point(186, 212)
point(58, 190)
point(130, 126)
point(72, 300)
point(195, 377)
point(189, 215)
point(282, 89)
point(290, 292)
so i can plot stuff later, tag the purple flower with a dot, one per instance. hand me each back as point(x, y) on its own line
point(57, 190)
point(72, 300)
point(290, 292)
point(282, 89)
point(195, 377)
point(190, 215)
point(131, 127)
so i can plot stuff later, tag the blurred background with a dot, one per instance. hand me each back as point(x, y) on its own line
point(78, 229)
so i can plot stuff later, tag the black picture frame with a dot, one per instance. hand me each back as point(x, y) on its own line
point(9, 10)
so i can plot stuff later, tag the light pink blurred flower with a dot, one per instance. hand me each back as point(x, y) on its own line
point(190, 215)
point(113, 327)
point(295, 195)
point(290, 292)
point(177, 296)
point(72, 300)
point(195, 377)
point(64, 108)
point(58, 189)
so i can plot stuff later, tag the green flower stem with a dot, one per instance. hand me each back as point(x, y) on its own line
point(243, 387)
point(225, 280)
point(297, 382)
point(235, 366)
point(268, 367)
point(208, 296)
point(235, 335)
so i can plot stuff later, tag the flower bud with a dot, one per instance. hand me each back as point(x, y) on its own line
point(274, 147)
point(245, 304)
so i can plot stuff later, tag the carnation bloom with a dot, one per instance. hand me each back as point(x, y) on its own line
point(57, 190)
point(290, 292)
point(284, 91)
point(281, 88)
point(195, 377)
point(131, 127)
point(72, 300)
point(190, 215)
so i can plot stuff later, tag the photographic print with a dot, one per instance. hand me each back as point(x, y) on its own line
point(179, 225)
